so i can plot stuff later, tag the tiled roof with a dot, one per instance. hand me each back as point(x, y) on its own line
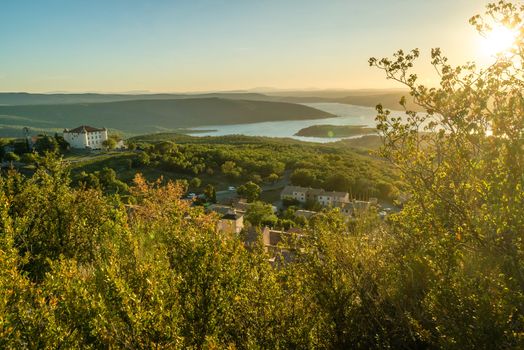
point(220, 209)
point(83, 129)
point(232, 216)
point(338, 194)
point(315, 192)
point(288, 190)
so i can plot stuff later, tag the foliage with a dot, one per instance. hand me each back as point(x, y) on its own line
point(11, 157)
point(463, 162)
point(195, 182)
point(110, 143)
point(260, 213)
point(250, 191)
point(105, 179)
point(263, 159)
point(46, 143)
point(210, 193)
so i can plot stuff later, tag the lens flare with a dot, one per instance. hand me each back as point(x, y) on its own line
point(499, 41)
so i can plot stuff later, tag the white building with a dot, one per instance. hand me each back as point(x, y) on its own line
point(85, 137)
point(332, 199)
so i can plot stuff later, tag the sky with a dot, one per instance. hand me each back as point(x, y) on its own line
point(211, 45)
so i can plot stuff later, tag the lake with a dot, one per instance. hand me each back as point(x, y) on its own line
point(346, 115)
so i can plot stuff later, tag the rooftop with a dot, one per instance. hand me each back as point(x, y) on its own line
point(288, 190)
point(231, 216)
point(84, 129)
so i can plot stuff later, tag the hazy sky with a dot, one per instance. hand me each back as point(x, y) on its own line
point(202, 45)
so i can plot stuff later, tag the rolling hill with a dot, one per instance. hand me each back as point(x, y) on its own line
point(389, 98)
point(23, 98)
point(142, 116)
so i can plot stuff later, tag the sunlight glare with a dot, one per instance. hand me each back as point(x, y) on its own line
point(499, 41)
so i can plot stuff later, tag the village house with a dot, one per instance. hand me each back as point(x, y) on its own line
point(324, 198)
point(230, 220)
point(274, 242)
point(332, 199)
point(219, 209)
point(231, 223)
point(355, 208)
point(85, 137)
point(295, 193)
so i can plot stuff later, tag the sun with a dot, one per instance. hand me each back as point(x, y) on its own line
point(499, 41)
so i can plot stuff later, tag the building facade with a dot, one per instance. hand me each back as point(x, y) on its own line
point(303, 194)
point(231, 223)
point(85, 137)
point(295, 192)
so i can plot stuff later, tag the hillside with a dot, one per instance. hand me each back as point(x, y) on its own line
point(332, 166)
point(369, 98)
point(388, 99)
point(144, 116)
point(334, 131)
point(23, 98)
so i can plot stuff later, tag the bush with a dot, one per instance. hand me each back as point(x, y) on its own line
point(11, 157)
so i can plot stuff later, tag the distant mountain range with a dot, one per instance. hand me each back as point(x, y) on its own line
point(22, 98)
point(143, 116)
point(388, 98)
point(145, 113)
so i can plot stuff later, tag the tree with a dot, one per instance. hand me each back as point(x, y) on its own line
point(46, 144)
point(109, 144)
point(143, 159)
point(462, 161)
point(62, 143)
point(251, 191)
point(303, 177)
point(260, 213)
point(229, 168)
point(272, 178)
point(3, 144)
point(29, 158)
point(165, 147)
point(11, 157)
point(195, 182)
point(210, 193)
point(338, 182)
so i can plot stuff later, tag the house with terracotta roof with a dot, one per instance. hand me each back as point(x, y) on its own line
point(280, 245)
point(85, 137)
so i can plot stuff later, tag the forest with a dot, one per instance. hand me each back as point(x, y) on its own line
point(83, 267)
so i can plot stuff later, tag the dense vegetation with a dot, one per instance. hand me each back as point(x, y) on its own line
point(236, 159)
point(335, 131)
point(224, 161)
point(80, 269)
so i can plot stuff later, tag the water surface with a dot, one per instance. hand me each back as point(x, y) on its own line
point(346, 115)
